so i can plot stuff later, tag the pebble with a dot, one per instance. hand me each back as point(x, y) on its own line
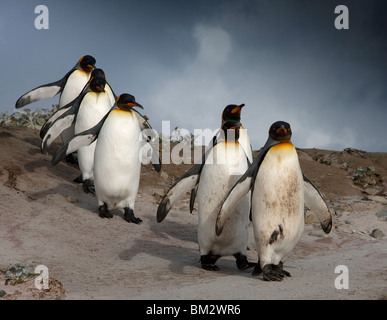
point(382, 215)
point(377, 234)
point(71, 199)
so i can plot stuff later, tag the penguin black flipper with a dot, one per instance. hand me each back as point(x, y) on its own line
point(44, 91)
point(81, 139)
point(192, 199)
point(241, 188)
point(188, 181)
point(215, 140)
point(50, 120)
point(61, 111)
point(185, 183)
point(149, 136)
point(48, 90)
point(315, 202)
point(64, 118)
point(237, 192)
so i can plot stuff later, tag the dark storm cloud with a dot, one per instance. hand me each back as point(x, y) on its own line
point(185, 61)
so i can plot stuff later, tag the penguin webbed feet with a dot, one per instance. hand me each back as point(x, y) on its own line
point(104, 212)
point(88, 186)
point(242, 262)
point(129, 216)
point(271, 272)
point(208, 262)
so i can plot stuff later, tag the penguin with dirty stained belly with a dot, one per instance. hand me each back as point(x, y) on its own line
point(189, 181)
point(117, 163)
point(231, 112)
point(222, 164)
point(69, 87)
point(278, 192)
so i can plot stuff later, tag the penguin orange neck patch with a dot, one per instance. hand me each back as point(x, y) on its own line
point(281, 145)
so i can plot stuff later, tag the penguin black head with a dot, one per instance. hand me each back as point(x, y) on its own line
point(87, 63)
point(98, 73)
point(227, 126)
point(232, 112)
point(280, 131)
point(126, 102)
point(97, 84)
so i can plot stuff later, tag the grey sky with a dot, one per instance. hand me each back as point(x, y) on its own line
point(184, 61)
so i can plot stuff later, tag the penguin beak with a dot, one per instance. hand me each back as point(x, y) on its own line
point(237, 109)
point(100, 89)
point(135, 104)
point(282, 129)
point(139, 105)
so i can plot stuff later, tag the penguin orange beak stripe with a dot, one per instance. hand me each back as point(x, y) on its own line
point(236, 109)
point(283, 130)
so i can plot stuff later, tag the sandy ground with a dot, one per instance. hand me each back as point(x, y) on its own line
point(47, 219)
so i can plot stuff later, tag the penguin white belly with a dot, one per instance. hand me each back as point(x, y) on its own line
point(278, 204)
point(93, 108)
point(73, 87)
point(117, 163)
point(216, 179)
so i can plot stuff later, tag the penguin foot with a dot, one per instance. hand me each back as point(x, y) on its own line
point(242, 262)
point(208, 262)
point(129, 216)
point(257, 269)
point(273, 272)
point(88, 186)
point(104, 212)
point(78, 179)
point(210, 267)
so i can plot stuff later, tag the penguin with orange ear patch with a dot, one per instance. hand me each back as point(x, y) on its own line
point(117, 161)
point(278, 193)
point(69, 87)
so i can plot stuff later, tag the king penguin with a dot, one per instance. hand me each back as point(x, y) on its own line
point(189, 181)
point(117, 164)
point(231, 112)
point(224, 165)
point(96, 73)
point(277, 188)
point(212, 179)
point(69, 87)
